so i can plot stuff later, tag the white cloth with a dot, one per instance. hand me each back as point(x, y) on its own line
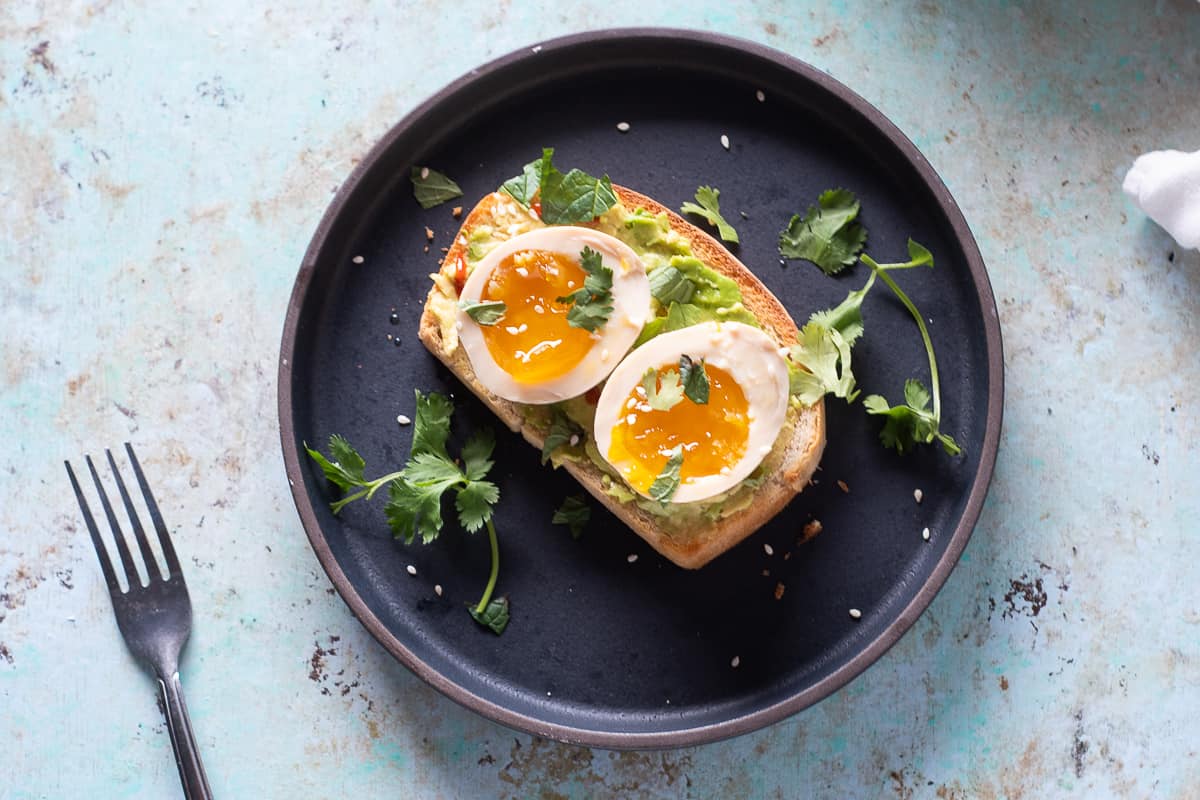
point(1166, 185)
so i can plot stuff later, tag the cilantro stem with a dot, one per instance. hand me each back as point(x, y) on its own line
point(491, 584)
point(367, 491)
point(882, 272)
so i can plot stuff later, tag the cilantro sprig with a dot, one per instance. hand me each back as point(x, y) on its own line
point(911, 423)
point(592, 305)
point(565, 198)
point(415, 493)
point(829, 237)
point(707, 205)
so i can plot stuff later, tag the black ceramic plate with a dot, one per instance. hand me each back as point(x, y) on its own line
point(602, 651)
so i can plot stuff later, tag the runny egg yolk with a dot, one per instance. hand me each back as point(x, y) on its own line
point(713, 435)
point(533, 342)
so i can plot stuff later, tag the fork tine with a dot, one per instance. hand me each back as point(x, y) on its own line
point(110, 577)
point(164, 538)
point(118, 535)
point(148, 558)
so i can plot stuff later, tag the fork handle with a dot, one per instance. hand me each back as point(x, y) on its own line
point(183, 741)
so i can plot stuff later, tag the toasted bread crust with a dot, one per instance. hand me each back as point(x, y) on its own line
point(801, 450)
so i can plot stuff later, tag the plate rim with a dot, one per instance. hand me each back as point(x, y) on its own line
point(865, 657)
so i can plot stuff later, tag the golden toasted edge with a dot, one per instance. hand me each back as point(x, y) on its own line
point(802, 450)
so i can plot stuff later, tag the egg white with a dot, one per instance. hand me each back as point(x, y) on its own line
point(751, 358)
point(631, 311)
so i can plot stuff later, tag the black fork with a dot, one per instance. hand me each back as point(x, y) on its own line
point(154, 619)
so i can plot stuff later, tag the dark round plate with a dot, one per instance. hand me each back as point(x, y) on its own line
point(602, 651)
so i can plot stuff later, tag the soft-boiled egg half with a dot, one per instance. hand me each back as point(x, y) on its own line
point(722, 440)
point(532, 354)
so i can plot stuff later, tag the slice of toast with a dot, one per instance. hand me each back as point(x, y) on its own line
point(797, 450)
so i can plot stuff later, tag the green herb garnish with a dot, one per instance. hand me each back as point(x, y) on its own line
point(663, 389)
point(592, 305)
point(487, 312)
point(664, 486)
point(574, 513)
point(695, 379)
point(494, 615)
point(565, 198)
point(911, 423)
point(415, 493)
point(824, 350)
point(823, 353)
point(669, 285)
point(710, 209)
point(564, 432)
point(827, 234)
point(432, 188)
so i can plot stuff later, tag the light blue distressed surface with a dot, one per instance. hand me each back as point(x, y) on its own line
point(161, 174)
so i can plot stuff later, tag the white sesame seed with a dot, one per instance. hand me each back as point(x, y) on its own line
point(925, 534)
point(918, 495)
point(622, 126)
point(724, 141)
point(768, 549)
point(761, 95)
point(357, 259)
point(411, 569)
point(437, 589)
point(632, 557)
point(736, 660)
point(855, 613)
point(574, 439)
point(424, 173)
point(403, 420)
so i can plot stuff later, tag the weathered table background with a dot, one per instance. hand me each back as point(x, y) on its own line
point(160, 175)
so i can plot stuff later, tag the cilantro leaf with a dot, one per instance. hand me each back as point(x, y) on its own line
point(494, 615)
point(414, 510)
point(710, 209)
point(477, 454)
point(474, 502)
point(346, 468)
point(565, 199)
point(827, 234)
point(432, 425)
point(669, 285)
point(574, 513)
point(695, 379)
point(574, 197)
point(663, 389)
point(912, 423)
point(564, 432)
point(525, 186)
point(592, 305)
point(487, 312)
point(432, 188)
point(825, 356)
point(430, 470)
point(667, 482)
